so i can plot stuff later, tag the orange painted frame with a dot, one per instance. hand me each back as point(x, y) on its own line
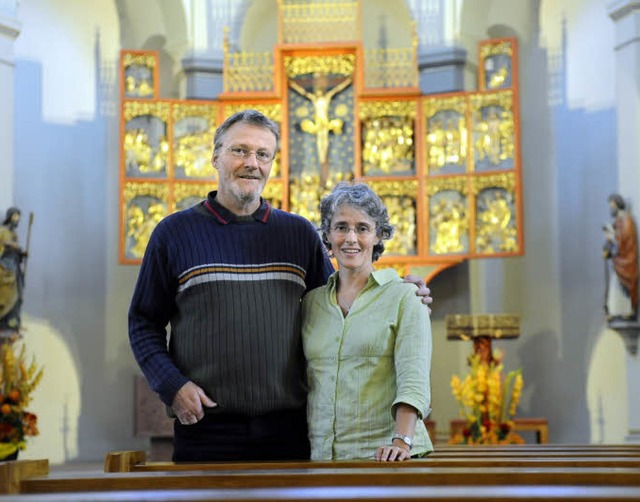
point(278, 96)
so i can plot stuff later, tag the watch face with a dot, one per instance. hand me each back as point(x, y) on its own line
point(404, 438)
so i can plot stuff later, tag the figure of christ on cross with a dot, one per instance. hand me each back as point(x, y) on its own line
point(322, 125)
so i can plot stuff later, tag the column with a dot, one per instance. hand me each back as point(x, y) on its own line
point(626, 16)
point(441, 64)
point(441, 69)
point(203, 66)
point(9, 30)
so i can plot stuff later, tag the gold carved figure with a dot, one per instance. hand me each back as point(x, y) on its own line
point(402, 215)
point(321, 125)
point(495, 224)
point(192, 154)
point(499, 77)
point(447, 142)
point(495, 137)
point(388, 144)
point(139, 153)
point(141, 224)
point(448, 220)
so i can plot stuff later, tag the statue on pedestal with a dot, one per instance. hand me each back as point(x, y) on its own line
point(621, 249)
point(12, 263)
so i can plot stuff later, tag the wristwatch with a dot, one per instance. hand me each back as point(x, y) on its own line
point(404, 439)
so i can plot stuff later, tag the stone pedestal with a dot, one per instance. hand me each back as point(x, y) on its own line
point(203, 77)
point(442, 70)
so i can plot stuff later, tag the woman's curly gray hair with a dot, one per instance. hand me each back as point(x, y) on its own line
point(362, 198)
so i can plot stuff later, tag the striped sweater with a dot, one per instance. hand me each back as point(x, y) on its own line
point(230, 289)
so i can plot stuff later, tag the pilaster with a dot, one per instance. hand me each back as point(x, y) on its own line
point(9, 30)
point(203, 76)
point(626, 16)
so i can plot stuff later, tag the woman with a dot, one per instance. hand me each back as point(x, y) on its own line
point(367, 341)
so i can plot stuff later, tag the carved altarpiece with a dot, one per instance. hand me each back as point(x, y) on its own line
point(446, 165)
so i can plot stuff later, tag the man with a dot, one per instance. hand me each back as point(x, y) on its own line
point(228, 275)
point(621, 247)
point(11, 275)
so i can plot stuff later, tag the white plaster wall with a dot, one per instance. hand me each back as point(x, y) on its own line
point(590, 70)
point(60, 36)
point(65, 151)
point(606, 389)
point(57, 400)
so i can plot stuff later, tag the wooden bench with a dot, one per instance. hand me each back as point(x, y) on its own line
point(130, 471)
point(135, 461)
point(558, 493)
point(373, 475)
point(597, 455)
point(543, 447)
point(14, 471)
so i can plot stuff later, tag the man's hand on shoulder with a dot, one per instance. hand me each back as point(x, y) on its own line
point(188, 403)
point(423, 291)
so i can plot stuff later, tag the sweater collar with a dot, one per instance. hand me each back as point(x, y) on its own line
point(224, 216)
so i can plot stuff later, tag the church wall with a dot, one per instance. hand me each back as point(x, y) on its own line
point(569, 158)
point(584, 157)
point(66, 159)
point(66, 171)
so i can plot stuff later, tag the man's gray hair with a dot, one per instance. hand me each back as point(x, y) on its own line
point(252, 117)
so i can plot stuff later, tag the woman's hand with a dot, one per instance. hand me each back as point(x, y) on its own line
point(392, 453)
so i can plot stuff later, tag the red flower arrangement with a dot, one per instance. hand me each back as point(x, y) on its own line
point(17, 382)
point(487, 402)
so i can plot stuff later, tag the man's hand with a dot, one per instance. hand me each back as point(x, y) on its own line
point(188, 403)
point(423, 291)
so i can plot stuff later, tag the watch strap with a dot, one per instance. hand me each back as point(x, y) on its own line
point(405, 439)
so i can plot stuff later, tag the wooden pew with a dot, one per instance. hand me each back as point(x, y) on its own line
point(543, 447)
point(135, 461)
point(14, 471)
point(495, 466)
point(358, 493)
point(390, 475)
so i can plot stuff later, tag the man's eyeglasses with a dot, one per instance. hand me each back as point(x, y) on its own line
point(241, 152)
point(361, 230)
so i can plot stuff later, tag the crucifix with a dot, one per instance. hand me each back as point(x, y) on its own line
point(321, 125)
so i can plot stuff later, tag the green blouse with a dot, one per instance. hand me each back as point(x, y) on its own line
point(362, 365)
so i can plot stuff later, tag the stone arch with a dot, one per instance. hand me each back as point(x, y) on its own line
point(160, 25)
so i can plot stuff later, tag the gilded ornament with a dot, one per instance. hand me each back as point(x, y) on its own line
point(504, 47)
point(448, 223)
point(457, 184)
point(317, 21)
point(496, 230)
point(188, 194)
point(133, 109)
point(194, 128)
point(388, 145)
point(343, 64)
point(391, 67)
point(145, 205)
point(493, 128)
